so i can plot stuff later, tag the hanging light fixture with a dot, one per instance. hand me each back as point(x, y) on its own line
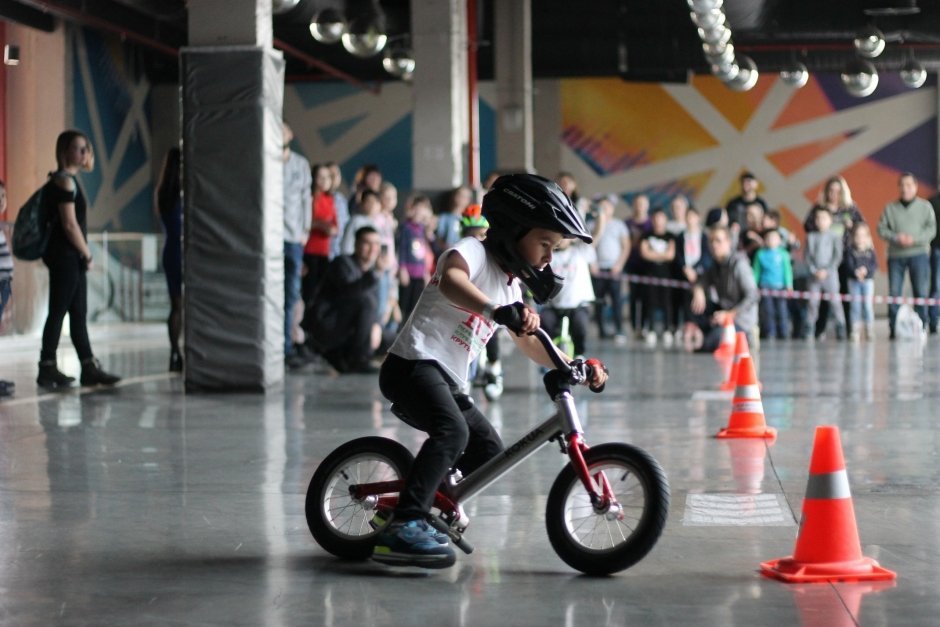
point(399, 63)
point(870, 42)
point(794, 74)
point(327, 26)
point(860, 78)
point(913, 74)
point(703, 6)
point(283, 6)
point(709, 19)
point(747, 75)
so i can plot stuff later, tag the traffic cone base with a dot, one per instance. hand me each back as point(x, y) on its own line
point(789, 570)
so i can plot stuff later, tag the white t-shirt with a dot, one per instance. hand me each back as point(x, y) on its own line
point(609, 244)
point(574, 264)
point(443, 332)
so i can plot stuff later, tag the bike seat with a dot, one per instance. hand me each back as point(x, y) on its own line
point(404, 417)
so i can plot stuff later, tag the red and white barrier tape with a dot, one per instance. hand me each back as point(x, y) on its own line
point(788, 294)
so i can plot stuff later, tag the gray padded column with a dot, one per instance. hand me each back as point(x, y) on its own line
point(232, 232)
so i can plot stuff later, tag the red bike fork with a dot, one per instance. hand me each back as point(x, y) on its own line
point(576, 450)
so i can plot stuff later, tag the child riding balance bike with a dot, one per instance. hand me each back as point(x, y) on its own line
point(369, 498)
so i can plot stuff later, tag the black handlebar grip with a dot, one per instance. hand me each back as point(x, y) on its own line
point(510, 316)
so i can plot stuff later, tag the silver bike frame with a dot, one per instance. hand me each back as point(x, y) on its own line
point(564, 421)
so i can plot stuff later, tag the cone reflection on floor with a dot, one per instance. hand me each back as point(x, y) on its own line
point(747, 464)
point(836, 605)
point(747, 411)
point(725, 350)
point(827, 547)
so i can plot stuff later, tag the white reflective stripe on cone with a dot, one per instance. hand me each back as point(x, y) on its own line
point(747, 392)
point(829, 485)
point(747, 407)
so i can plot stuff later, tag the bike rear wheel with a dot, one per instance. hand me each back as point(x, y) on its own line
point(600, 543)
point(339, 522)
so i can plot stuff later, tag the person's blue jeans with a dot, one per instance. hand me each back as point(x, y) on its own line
point(862, 310)
point(293, 259)
point(935, 287)
point(775, 313)
point(919, 268)
point(6, 290)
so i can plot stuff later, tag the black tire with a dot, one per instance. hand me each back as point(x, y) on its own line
point(339, 523)
point(640, 486)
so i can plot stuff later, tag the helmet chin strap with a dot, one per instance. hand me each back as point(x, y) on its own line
point(544, 284)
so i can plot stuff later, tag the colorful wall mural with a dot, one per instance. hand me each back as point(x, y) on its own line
point(696, 139)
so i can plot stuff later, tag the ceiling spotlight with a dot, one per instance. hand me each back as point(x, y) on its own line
point(363, 38)
point(283, 6)
point(327, 26)
point(400, 63)
point(747, 75)
point(703, 6)
point(709, 19)
point(795, 75)
point(913, 74)
point(860, 78)
point(870, 42)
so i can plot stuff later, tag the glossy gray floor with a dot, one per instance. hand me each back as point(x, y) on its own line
point(142, 505)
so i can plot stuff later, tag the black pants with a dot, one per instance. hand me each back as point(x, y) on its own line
point(578, 320)
point(68, 294)
point(605, 286)
point(408, 296)
point(658, 298)
point(459, 435)
point(316, 267)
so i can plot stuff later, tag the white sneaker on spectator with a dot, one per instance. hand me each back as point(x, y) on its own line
point(620, 339)
point(650, 338)
point(667, 339)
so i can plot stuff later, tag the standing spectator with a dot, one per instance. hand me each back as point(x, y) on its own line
point(658, 251)
point(413, 251)
point(387, 226)
point(368, 177)
point(6, 277)
point(369, 208)
point(569, 185)
point(341, 203)
point(692, 258)
point(297, 215)
point(447, 232)
point(725, 288)
point(170, 207)
point(836, 198)
point(908, 225)
point(737, 206)
point(574, 262)
point(773, 271)
point(823, 256)
point(935, 266)
point(68, 259)
point(772, 221)
point(678, 207)
point(751, 238)
point(324, 227)
point(341, 321)
point(639, 225)
point(612, 243)
point(861, 262)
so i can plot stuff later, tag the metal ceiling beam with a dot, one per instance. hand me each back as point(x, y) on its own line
point(27, 16)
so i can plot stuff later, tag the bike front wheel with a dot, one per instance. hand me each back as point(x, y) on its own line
point(603, 542)
point(341, 523)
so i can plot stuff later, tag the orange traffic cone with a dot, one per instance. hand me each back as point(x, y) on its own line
point(740, 349)
point(725, 348)
point(747, 411)
point(827, 548)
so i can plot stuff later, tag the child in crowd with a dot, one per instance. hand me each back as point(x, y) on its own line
point(861, 264)
point(658, 251)
point(574, 262)
point(414, 248)
point(751, 238)
point(771, 220)
point(823, 256)
point(473, 223)
point(773, 271)
point(387, 225)
point(368, 211)
point(473, 291)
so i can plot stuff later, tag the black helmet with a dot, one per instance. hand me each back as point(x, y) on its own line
point(518, 203)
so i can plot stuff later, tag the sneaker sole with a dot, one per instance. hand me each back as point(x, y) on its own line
point(410, 559)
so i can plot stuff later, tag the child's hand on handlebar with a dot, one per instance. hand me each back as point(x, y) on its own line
point(599, 374)
point(517, 318)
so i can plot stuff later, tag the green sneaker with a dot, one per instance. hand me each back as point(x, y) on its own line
point(382, 517)
point(411, 543)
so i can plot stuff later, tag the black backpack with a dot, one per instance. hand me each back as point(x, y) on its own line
point(31, 229)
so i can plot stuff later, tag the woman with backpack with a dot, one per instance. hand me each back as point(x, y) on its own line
point(69, 259)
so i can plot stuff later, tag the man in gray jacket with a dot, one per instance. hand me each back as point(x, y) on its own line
point(726, 287)
point(908, 225)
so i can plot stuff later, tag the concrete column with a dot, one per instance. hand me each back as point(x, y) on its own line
point(513, 61)
point(233, 273)
point(440, 128)
point(547, 124)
